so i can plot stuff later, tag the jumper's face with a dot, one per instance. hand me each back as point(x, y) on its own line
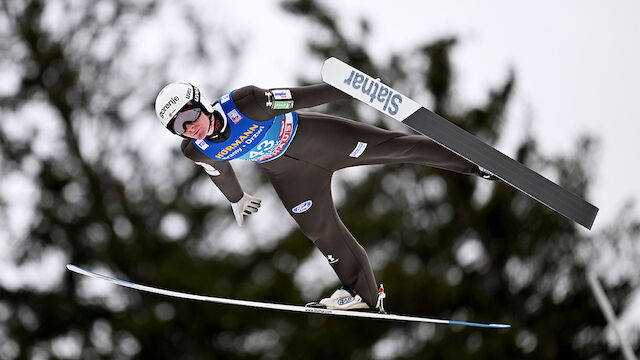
point(199, 128)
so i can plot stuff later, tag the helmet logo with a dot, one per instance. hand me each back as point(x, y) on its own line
point(196, 94)
point(166, 106)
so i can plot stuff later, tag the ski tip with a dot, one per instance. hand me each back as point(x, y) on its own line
point(500, 326)
point(329, 63)
point(493, 326)
point(331, 60)
point(77, 269)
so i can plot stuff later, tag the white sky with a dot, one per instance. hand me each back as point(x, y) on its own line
point(575, 63)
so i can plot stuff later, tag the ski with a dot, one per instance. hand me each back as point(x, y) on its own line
point(390, 102)
point(274, 306)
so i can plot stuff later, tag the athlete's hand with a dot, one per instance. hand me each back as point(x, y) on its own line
point(246, 206)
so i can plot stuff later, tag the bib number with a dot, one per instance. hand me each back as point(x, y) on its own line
point(262, 149)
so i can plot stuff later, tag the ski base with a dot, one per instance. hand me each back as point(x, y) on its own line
point(282, 307)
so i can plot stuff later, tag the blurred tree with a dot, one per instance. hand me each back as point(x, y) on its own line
point(462, 248)
point(78, 132)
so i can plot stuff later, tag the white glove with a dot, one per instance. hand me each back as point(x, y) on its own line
point(246, 206)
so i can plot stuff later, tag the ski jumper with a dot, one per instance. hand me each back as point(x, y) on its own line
point(300, 165)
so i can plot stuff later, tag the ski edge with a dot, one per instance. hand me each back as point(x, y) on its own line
point(275, 306)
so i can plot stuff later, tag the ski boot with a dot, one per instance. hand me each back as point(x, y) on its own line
point(342, 299)
point(346, 299)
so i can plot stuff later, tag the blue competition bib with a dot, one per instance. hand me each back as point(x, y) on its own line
point(258, 141)
point(276, 141)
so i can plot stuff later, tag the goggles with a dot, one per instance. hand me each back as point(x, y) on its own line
point(184, 117)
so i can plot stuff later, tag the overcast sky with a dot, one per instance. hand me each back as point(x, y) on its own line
point(576, 64)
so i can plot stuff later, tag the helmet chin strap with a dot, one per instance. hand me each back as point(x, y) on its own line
point(210, 123)
point(212, 119)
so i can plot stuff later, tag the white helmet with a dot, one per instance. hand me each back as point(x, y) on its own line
point(175, 96)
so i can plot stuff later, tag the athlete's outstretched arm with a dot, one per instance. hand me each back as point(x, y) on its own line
point(264, 104)
point(220, 172)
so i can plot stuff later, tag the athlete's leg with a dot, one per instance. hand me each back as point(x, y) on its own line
point(338, 143)
point(305, 191)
